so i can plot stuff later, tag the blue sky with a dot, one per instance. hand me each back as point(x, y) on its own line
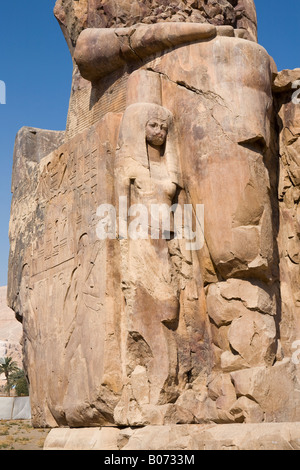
point(36, 67)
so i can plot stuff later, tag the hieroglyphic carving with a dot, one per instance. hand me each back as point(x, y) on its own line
point(68, 185)
point(66, 290)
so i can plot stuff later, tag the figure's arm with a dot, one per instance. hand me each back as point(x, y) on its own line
point(100, 51)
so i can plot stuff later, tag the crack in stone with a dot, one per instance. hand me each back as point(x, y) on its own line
point(128, 42)
point(206, 94)
point(209, 95)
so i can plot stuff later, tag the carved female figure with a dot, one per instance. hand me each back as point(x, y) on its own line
point(147, 174)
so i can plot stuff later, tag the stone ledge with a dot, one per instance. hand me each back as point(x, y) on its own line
point(266, 436)
point(15, 408)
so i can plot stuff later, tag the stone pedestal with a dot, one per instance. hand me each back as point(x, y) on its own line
point(271, 436)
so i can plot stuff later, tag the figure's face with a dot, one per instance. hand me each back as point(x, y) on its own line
point(156, 131)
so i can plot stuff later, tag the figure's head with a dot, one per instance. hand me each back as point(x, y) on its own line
point(156, 131)
point(152, 124)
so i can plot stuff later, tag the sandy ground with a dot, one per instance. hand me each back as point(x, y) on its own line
point(20, 435)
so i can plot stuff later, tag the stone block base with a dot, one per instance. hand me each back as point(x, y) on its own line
point(266, 436)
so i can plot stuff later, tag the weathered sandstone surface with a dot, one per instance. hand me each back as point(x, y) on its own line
point(74, 16)
point(88, 104)
point(267, 436)
point(172, 329)
point(288, 121)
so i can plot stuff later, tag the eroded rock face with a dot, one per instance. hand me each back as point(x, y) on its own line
point(160, 318)
point(286, 92)
point(76, 15)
